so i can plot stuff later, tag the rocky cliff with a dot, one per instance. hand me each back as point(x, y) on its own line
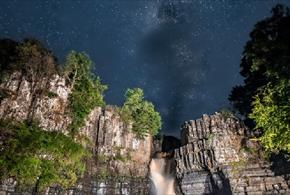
point(119, 164)
point(44, 101)
point(216, 157)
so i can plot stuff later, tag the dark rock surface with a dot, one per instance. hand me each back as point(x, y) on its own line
point(216, 157)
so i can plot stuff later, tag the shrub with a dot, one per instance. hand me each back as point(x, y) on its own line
point(39, 158)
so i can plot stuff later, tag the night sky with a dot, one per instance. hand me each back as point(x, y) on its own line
point(184, 54)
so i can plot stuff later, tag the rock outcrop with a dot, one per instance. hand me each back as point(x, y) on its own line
point(115, 145)
point(44, 101)
point(216, 157)
point(119, 164)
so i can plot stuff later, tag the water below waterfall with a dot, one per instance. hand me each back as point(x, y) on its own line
point(161, 177)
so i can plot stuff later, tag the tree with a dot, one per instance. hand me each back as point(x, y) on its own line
point(35, 61)
point(39, 158)
point(28, 57)
point(263, 98)
point(87, 91)
point(141, 112)
point(271, 112)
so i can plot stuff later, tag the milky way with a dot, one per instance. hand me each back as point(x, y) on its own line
point(184, 54)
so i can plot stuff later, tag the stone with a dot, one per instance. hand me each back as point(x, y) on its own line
point(211, 160)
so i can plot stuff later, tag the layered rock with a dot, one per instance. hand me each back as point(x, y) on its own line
point(218, 158)
point(119, 164)
point(115, 145)
point(43, 101)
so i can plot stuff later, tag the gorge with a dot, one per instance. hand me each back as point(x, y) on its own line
point(216, 154)
point(174, 60)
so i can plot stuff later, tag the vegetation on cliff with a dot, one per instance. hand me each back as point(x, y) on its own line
point(29, 57)
point(87, 91)
point(141, 112)
point(36, 63)
point(264, 97)
point(271, 112)
point(39, 158)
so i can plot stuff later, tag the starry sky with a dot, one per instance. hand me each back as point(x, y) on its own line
point(185, 54)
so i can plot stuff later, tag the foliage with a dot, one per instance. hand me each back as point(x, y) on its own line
point(35, 60)
point(226, 113)
point(103, 173)
point(141, 112)
point(264, 97)
point(37, 157)
point(102, 158)
point(271, 112)
point(87, 91)
point(255, 152)
point(237, 166)
point(119, 157)
point(29, 57)
point(210, 138)
point(3, 94)
point(265, 58)
point(51, 94)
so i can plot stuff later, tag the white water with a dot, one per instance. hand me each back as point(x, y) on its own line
point(161, 179)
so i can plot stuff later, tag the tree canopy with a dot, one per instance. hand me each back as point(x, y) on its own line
point(271, 112)
point(264, 97)
point(39, 158)
point(87, 90)
point(141, 112)
point(29, 57)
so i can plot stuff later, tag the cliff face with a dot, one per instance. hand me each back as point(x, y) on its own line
point(115, 145)
point(44, 101)
point(118, 155)
point(217, 158)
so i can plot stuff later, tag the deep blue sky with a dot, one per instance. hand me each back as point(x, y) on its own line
point(184, 54)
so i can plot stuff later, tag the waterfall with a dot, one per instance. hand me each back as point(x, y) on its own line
point(161, 177)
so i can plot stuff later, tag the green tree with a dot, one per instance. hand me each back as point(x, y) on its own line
point(263, 98)
point(34, 60)
point(271, 112)
point(87, 91)
point(141, 112)
point(29, 57)
point(39, 158)
point(265, 58)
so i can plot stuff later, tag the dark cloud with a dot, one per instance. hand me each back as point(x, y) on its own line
point(173, 58)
